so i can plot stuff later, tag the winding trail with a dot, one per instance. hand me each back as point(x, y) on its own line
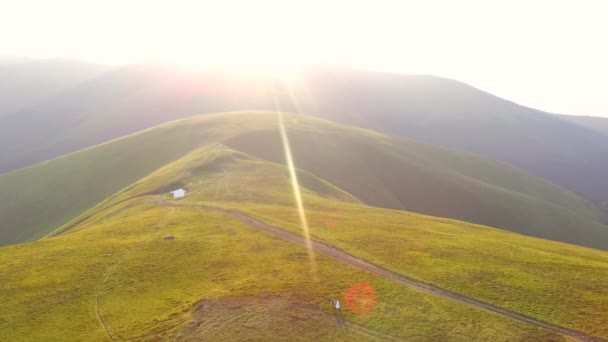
point(345, 257)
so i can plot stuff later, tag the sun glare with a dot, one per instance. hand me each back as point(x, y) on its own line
point(297, 195)
point(262, 65)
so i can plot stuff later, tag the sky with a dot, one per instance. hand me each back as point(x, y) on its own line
point(550, 55)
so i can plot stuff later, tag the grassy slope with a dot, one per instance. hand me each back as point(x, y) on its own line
point(547, 280)
point(393, 173)
point(218, 279)
point(208, 166)
point(554, 282)
point(379, 170)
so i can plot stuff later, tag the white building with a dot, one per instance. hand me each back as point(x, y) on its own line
point(179, 193)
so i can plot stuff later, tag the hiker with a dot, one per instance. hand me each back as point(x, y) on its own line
point(336, 305)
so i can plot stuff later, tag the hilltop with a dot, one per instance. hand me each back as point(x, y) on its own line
point(376, 169)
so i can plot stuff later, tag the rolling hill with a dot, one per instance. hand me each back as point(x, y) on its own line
point(377, 169)
point(435, 110)
point(219, 277)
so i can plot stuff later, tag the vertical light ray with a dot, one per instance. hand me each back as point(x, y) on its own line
point(297, 195)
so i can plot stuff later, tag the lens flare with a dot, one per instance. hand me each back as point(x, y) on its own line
point(297, 195)
point(360, 298)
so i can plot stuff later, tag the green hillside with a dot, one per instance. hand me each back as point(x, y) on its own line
point(220, 279)
point(523, 274)
point(377, 169)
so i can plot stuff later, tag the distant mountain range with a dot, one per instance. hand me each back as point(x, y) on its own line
point(591, 122)
point(25, 82)
point(93, 104)
point(454, 115)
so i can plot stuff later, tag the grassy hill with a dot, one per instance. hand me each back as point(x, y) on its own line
point(220, 279)
point(376, 169)
point(520, 273)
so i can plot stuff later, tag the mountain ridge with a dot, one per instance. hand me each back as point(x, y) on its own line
point(426, 108)
point(383, 171)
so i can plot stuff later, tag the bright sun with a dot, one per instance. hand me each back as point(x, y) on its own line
point(253, 55)
point(473, 41)
point(247, 38)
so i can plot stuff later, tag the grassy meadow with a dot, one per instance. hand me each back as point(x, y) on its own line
point(554, 282)
point(218, 280)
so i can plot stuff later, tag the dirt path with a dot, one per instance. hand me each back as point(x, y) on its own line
point(375, 269)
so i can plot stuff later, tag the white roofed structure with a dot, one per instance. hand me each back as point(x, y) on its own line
point(179, 193)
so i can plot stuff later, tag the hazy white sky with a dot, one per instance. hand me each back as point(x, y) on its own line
point(551, 55)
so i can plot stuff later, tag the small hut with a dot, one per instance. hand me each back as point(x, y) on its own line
point(179, 193)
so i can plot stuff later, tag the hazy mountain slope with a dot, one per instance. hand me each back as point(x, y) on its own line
point(426, 108)
point(377, 169)
point(25, 82)
point(219, 279)
point(12, 59)
point(123, 101)
point(452, 114)
point(595, 123)
point(222, 279)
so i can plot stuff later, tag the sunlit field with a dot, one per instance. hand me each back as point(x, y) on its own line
point(215, 279)
point(505, 269)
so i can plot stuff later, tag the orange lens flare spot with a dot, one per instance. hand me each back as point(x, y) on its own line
point(360, 298)
point(331, 223)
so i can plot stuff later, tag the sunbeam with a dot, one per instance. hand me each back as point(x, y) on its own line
point(297, 195)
